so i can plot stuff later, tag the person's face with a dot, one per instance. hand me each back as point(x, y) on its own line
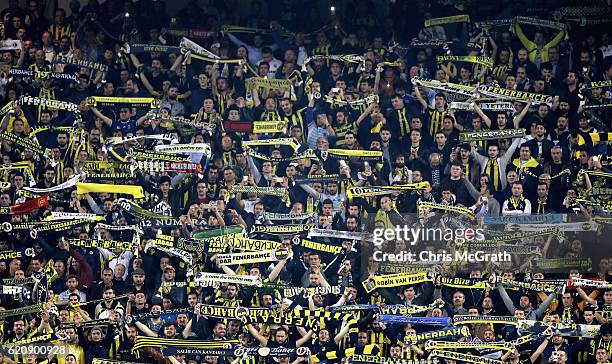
point(525, 153)
point(567, 300)
point(493, 151)
point(231, 292)
point(608, 297)
point(140, 298)
point(601, 355)
point(170, 331)
point(322, 143)
point(489, 336)
point(455, 171)
point(517, 190)
point(522, 55)
point(19, 327)
point(585, 58)
point(487, 303)
point(409, 293)
point(108, 294)
point(107, 276)
point(36, 265)
point(362, 339)
point(229, 175)
point(138, 279)
point(440, 139)
point(458, 299)
point(351, 224)
point(267, 300)
point(5, 200)
point(524, 302)
point(542, 191)
point(553, 54)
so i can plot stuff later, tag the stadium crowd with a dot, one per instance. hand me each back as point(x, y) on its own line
point(194, 177)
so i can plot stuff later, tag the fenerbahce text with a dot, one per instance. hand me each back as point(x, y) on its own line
point(443, 256)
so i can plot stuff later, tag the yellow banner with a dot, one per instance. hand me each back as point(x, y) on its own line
point(84, 188)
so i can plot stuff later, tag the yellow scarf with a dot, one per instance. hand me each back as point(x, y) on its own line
point(492, 170)
point(514, 202)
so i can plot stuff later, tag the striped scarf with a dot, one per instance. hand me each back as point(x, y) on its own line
point(492, 170)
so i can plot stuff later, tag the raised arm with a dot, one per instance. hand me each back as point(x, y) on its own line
point(304, 339)
point(536, 354)
point(147, 84)
point(105, 119)
point(346, 326)
point(471, 189)
point(262, 339)
point(522, 37)
point(539, 312)
point(559, 37)
point(144, 328)
point(482, 115)
point(419, 97)
point(519, 117)
point(277, 269)
point(507, 300)
point(584, 296)
point(377, 79)
point(213, 79)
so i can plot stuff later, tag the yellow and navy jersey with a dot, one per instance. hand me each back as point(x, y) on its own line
point(403, 120)
point(500, 70)
point(436, 118)
point(341, 132)
point(482, 144)
point(297, 119)
point(270, 116)
point(59, 30)
point(322, 50)
point(221, 100)
point(453, 71)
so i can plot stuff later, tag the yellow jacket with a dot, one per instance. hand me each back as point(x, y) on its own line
point(532, 48)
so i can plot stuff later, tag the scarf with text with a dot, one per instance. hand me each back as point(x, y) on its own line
point(43, 75)
point(291, 229)
point(384, 190)
point(481, 60)
point(395, 280)
point(466, 358)
point(282, 193)
point(145, 102)
point(252, 257)
point(339, 234)
point(447, 20)
point(438, 334)
point(314, 245)
point(445, 86)
point(524, 96)
point(491, 135)
point(69, 60)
